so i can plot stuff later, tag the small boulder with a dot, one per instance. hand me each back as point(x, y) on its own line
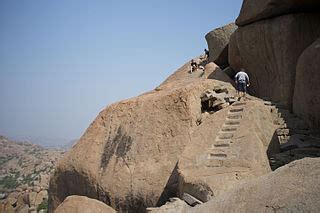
point(217, 73)
point(218, 40)
point(175, 205)
point(41, 196)
point(32, 198)
point(75, 204)
point(37, 189)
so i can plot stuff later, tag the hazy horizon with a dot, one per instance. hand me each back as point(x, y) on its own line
point(62, 62)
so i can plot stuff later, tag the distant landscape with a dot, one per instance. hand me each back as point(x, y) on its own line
point(46, 142)
point(25, 169)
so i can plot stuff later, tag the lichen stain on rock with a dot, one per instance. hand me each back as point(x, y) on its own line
point(119, 145)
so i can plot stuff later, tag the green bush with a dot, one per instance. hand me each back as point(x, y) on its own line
point(43, 205)
point(9, 182)
point(5, 159)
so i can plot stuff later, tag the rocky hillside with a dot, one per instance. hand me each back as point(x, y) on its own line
point(25, 171)
point(190, 145)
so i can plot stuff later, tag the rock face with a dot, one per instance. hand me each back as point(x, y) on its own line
point(129, 152)
point(175, 205)
point(255, 10)
point(75, 204)
point(269, 51)
point(218, 40)
point(292, 188)
point(306, 102)
point(224, 148)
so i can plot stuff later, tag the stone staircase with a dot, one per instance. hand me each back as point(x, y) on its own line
point(295, 139)
point(220, 150)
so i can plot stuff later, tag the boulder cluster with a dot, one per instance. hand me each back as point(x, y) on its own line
point(190, 145)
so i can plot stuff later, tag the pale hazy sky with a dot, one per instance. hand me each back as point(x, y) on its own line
point(63, 61)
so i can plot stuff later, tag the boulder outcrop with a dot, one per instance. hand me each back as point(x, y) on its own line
point(255, 10)
point(269, 51)
point(218, 40)
point(291, 188)
point(128, 154)
point(75, 204)
point(190, 138)
point(306, 100)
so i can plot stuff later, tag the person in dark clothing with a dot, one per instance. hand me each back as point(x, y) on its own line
point(206, 54)
point(194, 65)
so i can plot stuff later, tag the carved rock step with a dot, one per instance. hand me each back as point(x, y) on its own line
point(239, 104)
point(218, 153)
point(232, 123)
point(234, 116)
point(283, 131)
point(225, 135)
point(279, 121)
point(223, 141)
point(268, 103)
point(218, 156)
point(286, 131)
point(275, 104)
point(214, 163)
point(220, 145)
point(189, 199)
point(236, 110)
point(274, 109)
point(228, 129)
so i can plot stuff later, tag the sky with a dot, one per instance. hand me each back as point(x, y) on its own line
point(63, 61)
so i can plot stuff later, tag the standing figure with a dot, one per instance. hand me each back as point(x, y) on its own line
point(206, 54)
point(194, 65)
point(242, 82)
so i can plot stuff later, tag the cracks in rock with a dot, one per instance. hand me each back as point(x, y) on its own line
point(275, 208)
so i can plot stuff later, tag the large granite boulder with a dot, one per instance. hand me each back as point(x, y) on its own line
point(291, 188)
point(127, 155)
point(269, 51)
point(255, 10)
point(218, 40)
point(306, 100)
point(76, 204)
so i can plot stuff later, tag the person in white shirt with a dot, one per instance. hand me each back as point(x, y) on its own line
point(242, 82)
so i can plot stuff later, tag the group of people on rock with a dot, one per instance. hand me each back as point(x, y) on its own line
point(241, 78)
point(195, 65)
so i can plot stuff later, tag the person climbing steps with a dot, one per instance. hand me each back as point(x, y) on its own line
point(242, 81)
